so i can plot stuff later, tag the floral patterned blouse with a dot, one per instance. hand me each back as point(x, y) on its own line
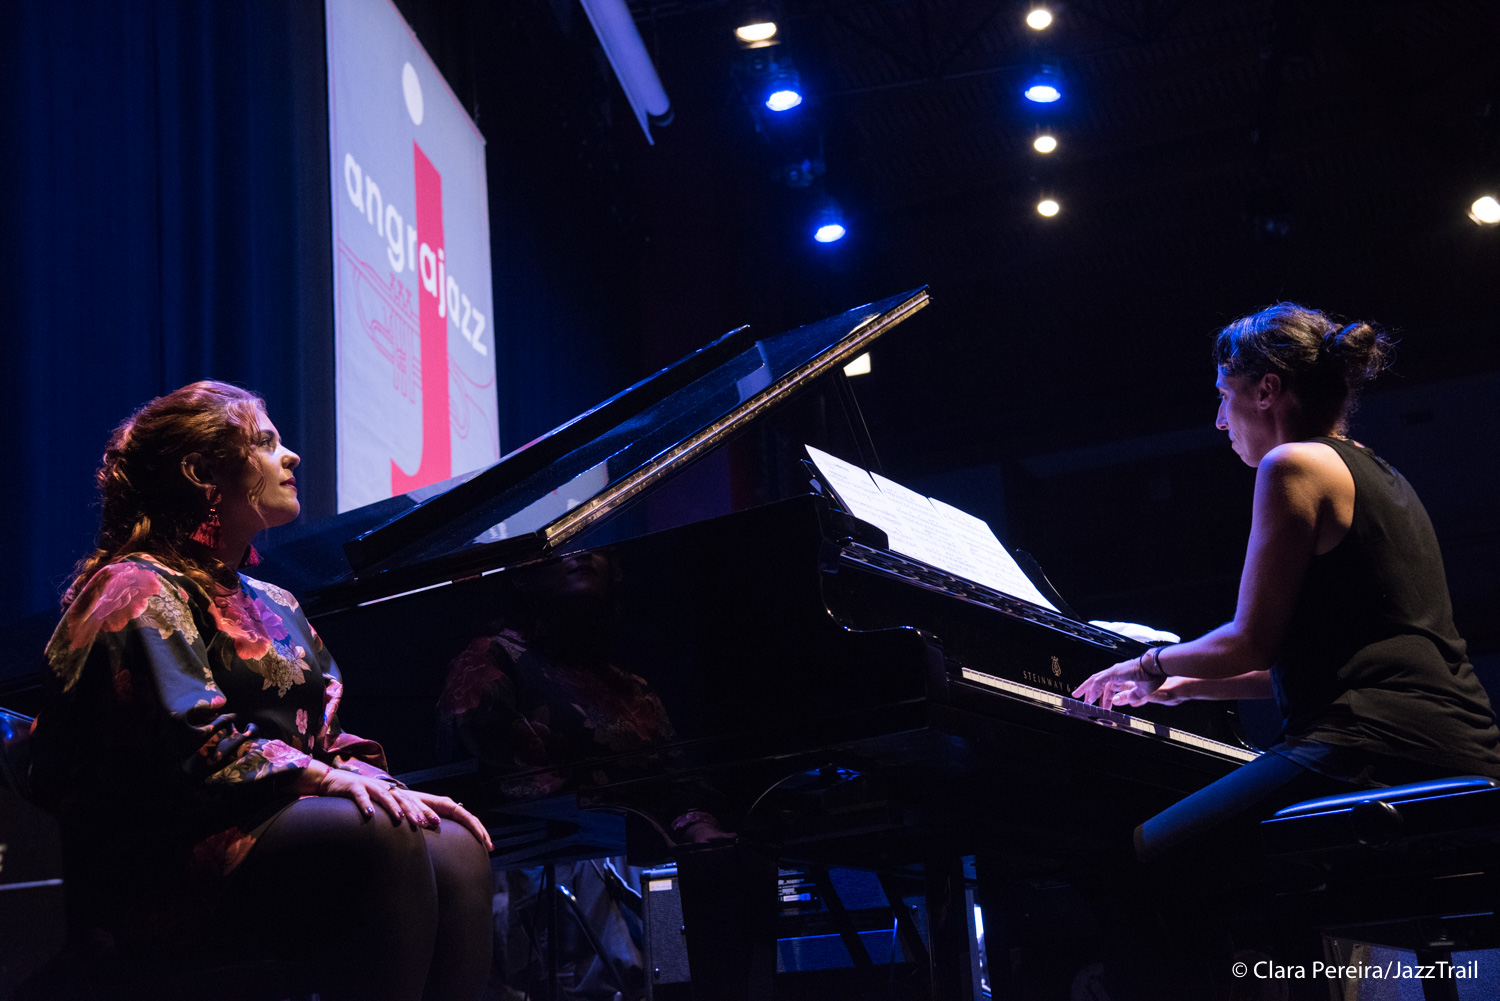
point(176, 728)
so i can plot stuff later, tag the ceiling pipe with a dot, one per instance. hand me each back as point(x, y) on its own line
point(632, 64)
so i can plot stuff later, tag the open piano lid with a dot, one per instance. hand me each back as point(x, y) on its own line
point(534, 500)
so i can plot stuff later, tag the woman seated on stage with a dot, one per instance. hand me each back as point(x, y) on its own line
point(1343, 613)
point(212, 808)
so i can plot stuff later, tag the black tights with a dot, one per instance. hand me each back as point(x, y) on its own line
point(383, 912)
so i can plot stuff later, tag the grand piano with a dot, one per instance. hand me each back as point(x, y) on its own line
point(831, 701)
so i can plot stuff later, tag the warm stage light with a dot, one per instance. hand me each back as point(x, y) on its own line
point(1039, 18)
point(859, 366)
point(1044, 144)
point(760, 31)
point(1485, 211)
point(1048, 207)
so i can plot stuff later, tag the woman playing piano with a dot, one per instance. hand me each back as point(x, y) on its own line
point(1343, 613)
point(212, 808)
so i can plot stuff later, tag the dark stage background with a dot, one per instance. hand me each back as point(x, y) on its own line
point(166, 219)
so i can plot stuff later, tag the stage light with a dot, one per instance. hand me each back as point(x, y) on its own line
point(757, 27)
point(1485, 211)
point(828, 222)
point(783, 100)
point(1039, 18)
point(756, 34)
point(1048, 207)
point(783, 90)
point(1044, 86)
point(859, 366)
point(1044, 143)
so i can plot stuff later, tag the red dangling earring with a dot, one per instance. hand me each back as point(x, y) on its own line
point(207, 533)
point(252, 557)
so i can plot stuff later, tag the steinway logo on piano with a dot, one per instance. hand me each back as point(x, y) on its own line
point(1042, 681)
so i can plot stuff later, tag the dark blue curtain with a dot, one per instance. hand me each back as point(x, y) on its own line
point(165, 219)
point(164, 171)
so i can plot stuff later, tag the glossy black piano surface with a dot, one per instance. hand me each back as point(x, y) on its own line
point(822, 696)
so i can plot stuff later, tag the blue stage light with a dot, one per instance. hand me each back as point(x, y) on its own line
point(783, 100)
point(783, 89)
point(1044, 86)
point(828, 222)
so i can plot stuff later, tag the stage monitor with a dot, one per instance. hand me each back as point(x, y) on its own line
point(414, 348)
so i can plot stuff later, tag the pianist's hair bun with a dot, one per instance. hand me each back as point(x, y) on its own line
point(1362, 350)
point(1321, 360)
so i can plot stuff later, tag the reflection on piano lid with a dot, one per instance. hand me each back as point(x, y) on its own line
point(543, 495)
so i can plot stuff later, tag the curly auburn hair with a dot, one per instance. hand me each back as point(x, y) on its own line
point(149, 504)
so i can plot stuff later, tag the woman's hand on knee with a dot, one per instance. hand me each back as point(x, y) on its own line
point(420, 809)
point(366, 791)
point(450, 809)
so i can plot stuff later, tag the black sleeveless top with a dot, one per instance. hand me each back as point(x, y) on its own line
point(1373, 681)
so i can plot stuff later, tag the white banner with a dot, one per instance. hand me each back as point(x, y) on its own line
point(415, 342)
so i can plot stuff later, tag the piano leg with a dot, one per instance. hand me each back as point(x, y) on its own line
point(1021, 928)
point(948, 928)
point(990, 898)
point(729, 913)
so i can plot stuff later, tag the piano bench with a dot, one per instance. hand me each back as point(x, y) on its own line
point(1413, 867)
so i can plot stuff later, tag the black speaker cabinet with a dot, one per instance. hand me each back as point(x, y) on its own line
point(666, 942)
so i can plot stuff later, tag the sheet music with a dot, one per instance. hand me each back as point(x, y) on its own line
point(993, 565)
point(926, 529)
point(856, 489)
point(922, 534)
